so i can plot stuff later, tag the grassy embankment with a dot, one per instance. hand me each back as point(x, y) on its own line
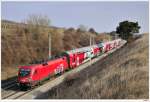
point(121, 75)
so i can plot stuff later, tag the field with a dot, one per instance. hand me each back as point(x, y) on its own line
point(121, 75)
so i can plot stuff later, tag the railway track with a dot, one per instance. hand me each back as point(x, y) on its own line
point(16, 93)
point(9, 86)
point(9, 92)
point(5, 84)
point(12, 90)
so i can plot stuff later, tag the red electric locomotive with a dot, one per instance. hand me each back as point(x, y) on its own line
point(33, 74)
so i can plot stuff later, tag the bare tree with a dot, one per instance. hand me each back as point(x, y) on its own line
point(37, 25)
point(38, 20)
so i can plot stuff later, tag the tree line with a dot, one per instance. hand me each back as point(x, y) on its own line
point(125, 30)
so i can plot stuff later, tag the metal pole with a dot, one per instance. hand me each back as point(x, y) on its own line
point(90, 52)
point(93, 40)
point(49, 54)
point(90, 40)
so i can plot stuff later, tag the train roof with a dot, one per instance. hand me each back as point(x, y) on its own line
point(84, 49)
point(29, 66)
point(37, 65)
point(100, 45)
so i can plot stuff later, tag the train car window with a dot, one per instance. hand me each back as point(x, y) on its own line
point(45, 63)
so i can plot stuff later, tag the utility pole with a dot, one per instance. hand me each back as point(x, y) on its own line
point(49, 37)
point(93, 40)
point(90, 51)
point(90, 41)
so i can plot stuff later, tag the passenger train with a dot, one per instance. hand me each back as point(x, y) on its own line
point(34, 74)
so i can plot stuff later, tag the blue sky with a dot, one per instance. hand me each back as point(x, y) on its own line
point(102, 16)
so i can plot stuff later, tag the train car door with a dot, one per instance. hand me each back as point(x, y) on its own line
point(74, 60)
point(35, 76)
point(77, 61)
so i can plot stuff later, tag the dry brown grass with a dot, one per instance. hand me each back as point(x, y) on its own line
point(122, 75)
point(103, 37)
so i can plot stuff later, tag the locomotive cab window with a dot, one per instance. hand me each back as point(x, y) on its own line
point(24, 72)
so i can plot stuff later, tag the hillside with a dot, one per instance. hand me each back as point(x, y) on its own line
point(121, 75)
point(22, 44)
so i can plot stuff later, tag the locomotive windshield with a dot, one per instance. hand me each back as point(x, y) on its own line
point(24, 72)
